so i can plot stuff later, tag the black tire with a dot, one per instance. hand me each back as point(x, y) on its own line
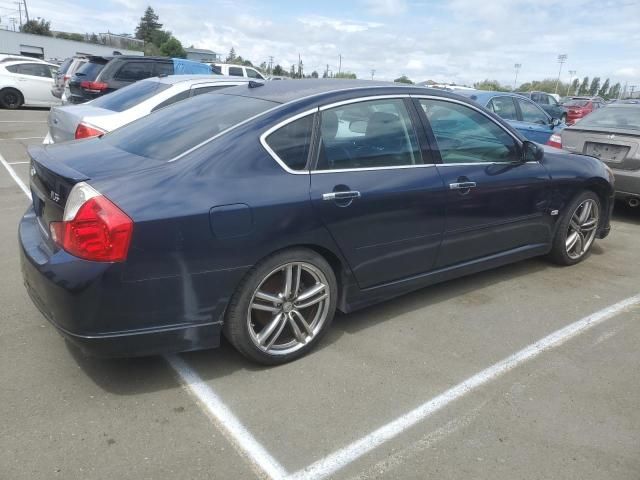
point(559, 253)
point(236, 326)
point(11, 98)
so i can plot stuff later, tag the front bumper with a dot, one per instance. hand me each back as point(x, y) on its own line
point(89, 304)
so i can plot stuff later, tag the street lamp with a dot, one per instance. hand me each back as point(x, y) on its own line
point(517, 67)
point(572, 73)
point(561, 59)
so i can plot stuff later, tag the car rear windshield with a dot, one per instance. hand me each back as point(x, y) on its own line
point(173, 130)
point(627, 118)
point(130, 96)
point(576, 103)
point(90, 70)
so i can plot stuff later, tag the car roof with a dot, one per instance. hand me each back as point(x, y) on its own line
point(486, 95)
point(285, 92)
point(20, 62)
point(174, 79)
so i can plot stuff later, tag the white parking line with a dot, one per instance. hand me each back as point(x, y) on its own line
point(341, 458)
point(220, 413)
point(17, 163)
point(271, 468)
point(20, 138)
point(15, 177)
point(23, 121)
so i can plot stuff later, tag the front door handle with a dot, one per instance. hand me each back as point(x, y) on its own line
point(341, 195)
point(462, 185)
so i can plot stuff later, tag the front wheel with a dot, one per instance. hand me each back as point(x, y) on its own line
point(11, 98)
point(577, 229)
point(283, 307)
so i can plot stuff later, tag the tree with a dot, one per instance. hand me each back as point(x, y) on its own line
point(292, 72)
point(615, 91)
point(278, 70)
point(403, 79)
point(71, 36)
point(263, 67)
point(574, 87)
point(347, 75)
point(158, 37)
point(604, 90)
point(37, 27)
point(314, 74)
point(595, 84)
point(173, 48)
point(232, 56)
point(584, 86)
point(94, 38)
point(148, 25)
point(492, 85)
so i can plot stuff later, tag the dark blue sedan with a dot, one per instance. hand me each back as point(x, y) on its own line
point(259, 210)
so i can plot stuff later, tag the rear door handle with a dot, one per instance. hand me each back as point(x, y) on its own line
point(341, 195)
point(462, 185)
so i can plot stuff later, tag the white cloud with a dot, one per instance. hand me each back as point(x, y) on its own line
point(385, 7)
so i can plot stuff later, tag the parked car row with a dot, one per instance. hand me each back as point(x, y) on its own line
point(259, 210)
point(26, 82)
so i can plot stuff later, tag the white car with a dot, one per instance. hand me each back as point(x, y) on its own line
point(27, 83)
point(14, 58)
point(232, 70)
point(127, 104)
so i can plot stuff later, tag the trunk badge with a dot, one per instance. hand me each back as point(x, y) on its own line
point(54, 196)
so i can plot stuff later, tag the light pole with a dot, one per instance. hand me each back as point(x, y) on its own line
point(339, 64)
point(561, 59)
point(572, 73)
point(517, 67)
point(373, 72)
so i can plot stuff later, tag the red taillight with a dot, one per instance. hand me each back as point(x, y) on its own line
point(555, 140)
point(85, 131)
point(98, 230)
point(94, 87)
point(66, 77)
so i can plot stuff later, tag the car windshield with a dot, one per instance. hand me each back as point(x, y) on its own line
point(173, 130)
point(130, 96)
point(90, 70)
point(576, 103)
point(627, 118)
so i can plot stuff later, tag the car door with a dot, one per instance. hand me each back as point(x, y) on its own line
point(376, 191)
point(35, 81)
point(496, 203)
point(537, 123)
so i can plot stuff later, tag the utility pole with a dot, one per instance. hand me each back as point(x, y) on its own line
point(20, 12)
point(339, 63)
point(517, 67)
point(270, 68)
point(633, 89)
point(572, 73)
point(13, 22)
point(373, 72)
point(561, 59)
point(327, 71)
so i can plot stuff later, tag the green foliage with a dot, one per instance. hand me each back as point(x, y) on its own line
point(314, 74)
point(231, 58)
point(347, 75)
point(94, 38)
point(604, 90)
point(615, 91)
point(37, 27)
point(278, 71)
point(173, 48)
point(158, 37)
point(151, 50)
point(492, 85)
point(574, 87)
point(595, 85)
point(148, 25)
point(547, 85)
point(584, 86)
point(404, 79)
point(71, 36)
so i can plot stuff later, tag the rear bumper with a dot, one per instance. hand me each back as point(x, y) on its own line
point(90, 304)
point(627, 183)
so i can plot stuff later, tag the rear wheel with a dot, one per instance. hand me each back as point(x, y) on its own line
point(577, 229)
point(283, 307)
point(11, 98)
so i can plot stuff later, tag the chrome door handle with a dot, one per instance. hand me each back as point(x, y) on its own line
point(462, 185)
point(341, 195)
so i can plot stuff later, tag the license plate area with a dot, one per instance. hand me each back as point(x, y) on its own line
point(607, 152)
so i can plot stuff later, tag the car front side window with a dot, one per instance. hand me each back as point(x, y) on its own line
point(504, 107)
point(368, 134)
point(532, 113)
point(464, 135)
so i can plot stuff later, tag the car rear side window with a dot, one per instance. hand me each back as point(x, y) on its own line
point(134, 71)
point(171, 100)
point(368, 134)
point(173, 130)
point(164, 68)
point(235, 72)
point(130, 96)
point(291, 143)
point(90, 70)
point(504, 107)
point(34, 70)
point(465, 135)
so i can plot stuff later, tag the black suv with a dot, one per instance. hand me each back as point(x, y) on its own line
point(101, 75)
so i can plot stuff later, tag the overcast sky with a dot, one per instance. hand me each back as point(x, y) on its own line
point(456, 40)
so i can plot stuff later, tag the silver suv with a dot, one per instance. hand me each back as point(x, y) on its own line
point(65, 72)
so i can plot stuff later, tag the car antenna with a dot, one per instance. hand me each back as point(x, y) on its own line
point(253, 84)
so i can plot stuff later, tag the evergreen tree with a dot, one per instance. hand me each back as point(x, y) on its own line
point(37, 27)
point(314, 74)
point(615, 91)
point(584, 86)
point(231, 58)
point(173, 48)
point(278, 70)
point(595, 85)
point(148, 25)
point(604, 90)
point(574, 87)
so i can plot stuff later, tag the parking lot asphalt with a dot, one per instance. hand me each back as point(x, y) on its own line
point(570, 411)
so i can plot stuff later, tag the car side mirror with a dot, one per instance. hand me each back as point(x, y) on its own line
point(532, 152)
point(555, 122)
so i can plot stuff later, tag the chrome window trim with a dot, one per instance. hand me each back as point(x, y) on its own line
point(363, 99)
point(369, 169)
point(278, 126)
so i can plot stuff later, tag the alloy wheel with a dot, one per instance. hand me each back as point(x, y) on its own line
point(289, 308)
point(582, 229)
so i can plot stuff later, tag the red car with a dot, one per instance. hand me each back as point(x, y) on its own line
point(580, 107)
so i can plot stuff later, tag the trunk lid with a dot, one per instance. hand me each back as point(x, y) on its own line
point(64, 120)
point(619, 150)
